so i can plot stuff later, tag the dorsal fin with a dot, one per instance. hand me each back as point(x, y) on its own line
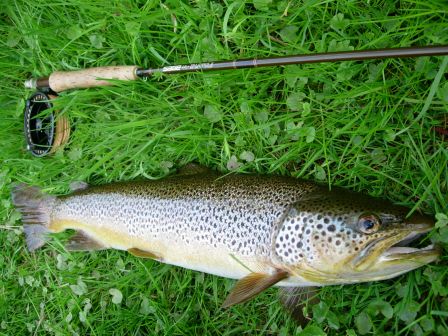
point(193, 169)
point(252, 285)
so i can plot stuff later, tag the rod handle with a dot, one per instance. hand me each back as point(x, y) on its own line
point(66, 80)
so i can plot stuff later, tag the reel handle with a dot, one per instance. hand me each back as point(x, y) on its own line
point(65, 80)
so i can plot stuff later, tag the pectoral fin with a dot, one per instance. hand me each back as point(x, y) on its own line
point(251, 285)
point(296, 299)
point(80, 241)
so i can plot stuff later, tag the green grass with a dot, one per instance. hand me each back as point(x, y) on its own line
point(369, 129)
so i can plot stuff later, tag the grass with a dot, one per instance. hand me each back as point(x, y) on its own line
point(366, 126)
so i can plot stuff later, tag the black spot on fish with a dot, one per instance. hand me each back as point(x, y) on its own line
point(331, 228)
point(319, 226)
point(338, 242)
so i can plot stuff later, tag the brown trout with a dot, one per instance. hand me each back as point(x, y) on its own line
point(261, 230)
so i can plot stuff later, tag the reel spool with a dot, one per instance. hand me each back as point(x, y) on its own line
point(44, 131)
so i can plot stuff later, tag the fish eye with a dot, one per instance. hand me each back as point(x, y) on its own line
point(368, 223)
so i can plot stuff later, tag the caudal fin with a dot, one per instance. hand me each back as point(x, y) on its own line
point(35, 208)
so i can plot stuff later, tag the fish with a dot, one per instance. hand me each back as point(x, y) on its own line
point(260, 230)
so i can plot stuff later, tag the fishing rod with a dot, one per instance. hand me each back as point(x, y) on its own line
point(45, 132)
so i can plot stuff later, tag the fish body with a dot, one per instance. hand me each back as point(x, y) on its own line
point(259, 229)
point(219, 226)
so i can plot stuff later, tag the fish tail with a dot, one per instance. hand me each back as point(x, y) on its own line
point(35, 207)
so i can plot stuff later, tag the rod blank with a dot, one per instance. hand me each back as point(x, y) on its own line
point(300, 59)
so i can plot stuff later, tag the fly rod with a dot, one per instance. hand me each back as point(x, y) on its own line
point(65, 80)
point(44, 132)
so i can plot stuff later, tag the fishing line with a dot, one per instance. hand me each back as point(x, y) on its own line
point(45, 132)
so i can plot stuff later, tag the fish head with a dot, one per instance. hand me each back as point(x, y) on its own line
point(338, 236)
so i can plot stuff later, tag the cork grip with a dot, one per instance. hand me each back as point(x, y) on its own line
point(66, 80)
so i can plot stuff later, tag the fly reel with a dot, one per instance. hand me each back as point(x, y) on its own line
point(45, 131)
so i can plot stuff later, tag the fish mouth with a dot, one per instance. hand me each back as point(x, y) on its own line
point(399, 252)
point(393, 253)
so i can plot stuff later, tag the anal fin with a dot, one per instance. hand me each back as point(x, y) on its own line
point(80, 241)
point(252, 285)
point(144, 254)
